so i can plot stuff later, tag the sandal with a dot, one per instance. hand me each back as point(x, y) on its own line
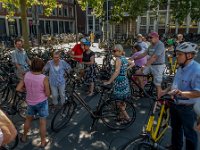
point(43, 146)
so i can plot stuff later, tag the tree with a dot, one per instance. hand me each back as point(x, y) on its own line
point(13, 5)
point(180, 8)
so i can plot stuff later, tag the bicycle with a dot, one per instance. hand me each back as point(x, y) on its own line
point(154, 130)
point(149, 89)
point(107, 110)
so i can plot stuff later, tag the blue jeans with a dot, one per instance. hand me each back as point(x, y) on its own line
point(182, 122)
point(58, 91)
point(41, 109)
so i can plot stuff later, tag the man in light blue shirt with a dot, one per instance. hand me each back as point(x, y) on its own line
point(186, 92)
point(20, 59)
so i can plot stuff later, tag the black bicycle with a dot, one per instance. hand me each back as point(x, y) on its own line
point(107, 109)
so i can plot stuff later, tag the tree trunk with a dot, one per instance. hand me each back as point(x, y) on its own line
point(25, 35)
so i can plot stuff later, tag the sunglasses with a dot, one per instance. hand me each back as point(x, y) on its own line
point(114, 51)
point(150, 37)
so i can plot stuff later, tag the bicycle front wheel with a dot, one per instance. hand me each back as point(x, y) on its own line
point(116, 117)
point(62, 116)
point(138, 143)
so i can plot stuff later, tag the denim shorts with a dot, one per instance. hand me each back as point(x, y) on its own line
point(41, 109)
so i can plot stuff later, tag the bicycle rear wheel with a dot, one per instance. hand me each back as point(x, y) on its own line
point(111, 114)
point(62, 116)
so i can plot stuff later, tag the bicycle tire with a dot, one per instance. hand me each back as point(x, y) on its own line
point(110, 112)
point(137, 144)
point(62, 116)
point(22, 108)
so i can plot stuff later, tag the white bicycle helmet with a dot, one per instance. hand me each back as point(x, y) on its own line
point(187, 47)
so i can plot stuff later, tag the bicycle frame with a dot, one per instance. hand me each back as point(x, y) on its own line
point(153, 130)
point(86, 106)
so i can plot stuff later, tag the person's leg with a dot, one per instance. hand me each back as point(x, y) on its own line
point(61, 89)
point(54, 92)
point(91, 89)
point(157, 71)
point(177, 129)
point(43, 131)
point(43, 111)
point(188, 118)
point(27, 126)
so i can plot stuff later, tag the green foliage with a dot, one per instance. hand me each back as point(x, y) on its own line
point(180, 8)
point(13, 6)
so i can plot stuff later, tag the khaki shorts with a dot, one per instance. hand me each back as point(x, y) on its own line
point(156, 71)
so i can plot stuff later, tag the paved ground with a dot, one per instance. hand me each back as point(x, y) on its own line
point(77, 135)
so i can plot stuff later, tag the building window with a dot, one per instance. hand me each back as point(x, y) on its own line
point(48, 27)
point(89, 11)
point(71, 13)
point(54, 12)
point(162, 20)
point(30, 10)
point(41, 27)
point(40, 9)
point(143, 20)
point(61, 27)
point(90, 22)
point(67, 30)
point(152, 20)
point(55, 27)
point(71, 24)
point(2, 27)
point(60, 11)
point(12, 25)
point(65, 12)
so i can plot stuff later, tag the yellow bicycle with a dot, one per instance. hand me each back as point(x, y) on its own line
point(154, 130)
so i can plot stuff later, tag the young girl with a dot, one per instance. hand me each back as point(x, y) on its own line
point(37, 88)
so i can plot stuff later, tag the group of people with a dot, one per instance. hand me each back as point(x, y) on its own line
point(185, 89)
point(148, 55)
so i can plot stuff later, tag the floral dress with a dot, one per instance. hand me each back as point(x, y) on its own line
point(121, 89)
point(90, 70)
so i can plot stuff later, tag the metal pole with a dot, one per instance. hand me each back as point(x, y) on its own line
point(107, 19)
point(76, 27)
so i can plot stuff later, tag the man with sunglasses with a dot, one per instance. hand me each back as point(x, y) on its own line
point(156, 61)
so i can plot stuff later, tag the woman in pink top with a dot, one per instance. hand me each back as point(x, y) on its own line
point(37, 89)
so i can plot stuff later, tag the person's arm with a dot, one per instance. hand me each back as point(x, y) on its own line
point(116, 73)
point(28, 60)
point(140, 56)
point(46, 67)
point(195, 92)
point(46, 87)
point(20, 86)
point(8, 129)
point(14, 60)
point(92, 61)
point(131, 64)
point(151, 60)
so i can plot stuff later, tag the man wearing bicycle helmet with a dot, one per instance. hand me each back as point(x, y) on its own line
point(186, 91)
